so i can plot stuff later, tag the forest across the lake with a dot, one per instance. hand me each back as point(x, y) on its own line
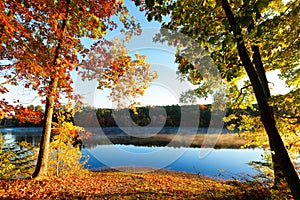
point(168, 116)
point(58, 55)
point(158, 128)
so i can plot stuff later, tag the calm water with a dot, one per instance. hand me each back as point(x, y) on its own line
point(223, 163)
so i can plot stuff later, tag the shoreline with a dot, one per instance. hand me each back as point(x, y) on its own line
point(166, 137)
point(216, 141)
point(160, 184)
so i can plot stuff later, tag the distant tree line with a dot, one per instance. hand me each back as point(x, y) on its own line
point(141, 117)
point(13, 121)
point(105, 117)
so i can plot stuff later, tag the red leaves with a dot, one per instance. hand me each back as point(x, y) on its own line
point(45, 32)
point(202, 106)
point(3, 90)
point(28, 115)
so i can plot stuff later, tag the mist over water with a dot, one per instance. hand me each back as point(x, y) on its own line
point(220, 163)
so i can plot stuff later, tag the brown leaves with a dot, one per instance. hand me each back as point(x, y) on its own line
point(122, 185)
point(6, 109)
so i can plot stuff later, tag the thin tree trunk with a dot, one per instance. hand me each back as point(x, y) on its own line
point(42, 162)
point(267, 116)
point(259, 67)
point(278, 173)
point(57, 160)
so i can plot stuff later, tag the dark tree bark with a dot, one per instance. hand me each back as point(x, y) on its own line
point(267, 116)
point(259, 67)
point(278, 173)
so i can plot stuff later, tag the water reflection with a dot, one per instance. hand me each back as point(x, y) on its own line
point(230, 161)
point(224, 163)
point(14, 135)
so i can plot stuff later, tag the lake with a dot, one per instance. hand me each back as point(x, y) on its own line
point(220, 163)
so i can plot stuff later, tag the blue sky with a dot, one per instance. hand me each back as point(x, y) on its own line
point(160, 93)
point(164, 91)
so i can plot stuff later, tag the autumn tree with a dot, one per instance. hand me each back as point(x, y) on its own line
point(245, 39)
point(65, 156)
point(41, 39)
point(10, 29)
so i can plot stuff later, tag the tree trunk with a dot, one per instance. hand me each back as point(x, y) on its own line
point(267, 116)
point(42, 162)
point(278, 173)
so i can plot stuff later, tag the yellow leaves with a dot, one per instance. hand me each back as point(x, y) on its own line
point(122, 18)
point(64, 157)
point(230, 117)
point(277, 6)
point(231, 127)
point(2, 114)
point(289, 99)
point(127, 76)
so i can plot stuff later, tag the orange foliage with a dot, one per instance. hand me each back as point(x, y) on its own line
point(28, 115)
point(42, 38)
point(120, 185)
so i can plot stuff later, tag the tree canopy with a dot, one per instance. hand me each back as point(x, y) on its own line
point(246, 39)
point(41, 41)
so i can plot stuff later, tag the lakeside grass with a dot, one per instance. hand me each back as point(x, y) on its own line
point(175, 140)
point(159, 184)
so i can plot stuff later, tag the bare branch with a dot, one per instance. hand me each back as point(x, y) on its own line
point(8, 81)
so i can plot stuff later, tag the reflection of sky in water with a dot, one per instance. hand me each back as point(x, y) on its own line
point(230, 161)
point(8, 138)
point(30, 135)
point(206, 161)
point(141, 150)
point(129, 155)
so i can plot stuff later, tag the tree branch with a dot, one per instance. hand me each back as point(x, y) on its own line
point(241, 91)
point(286, 10)
point(8, 81)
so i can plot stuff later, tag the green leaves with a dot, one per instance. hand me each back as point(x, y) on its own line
point(265, 36)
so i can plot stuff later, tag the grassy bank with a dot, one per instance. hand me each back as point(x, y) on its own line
point(188, 140)
point(160, 184)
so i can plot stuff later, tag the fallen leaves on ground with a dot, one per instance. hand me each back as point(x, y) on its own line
point(160, 184)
